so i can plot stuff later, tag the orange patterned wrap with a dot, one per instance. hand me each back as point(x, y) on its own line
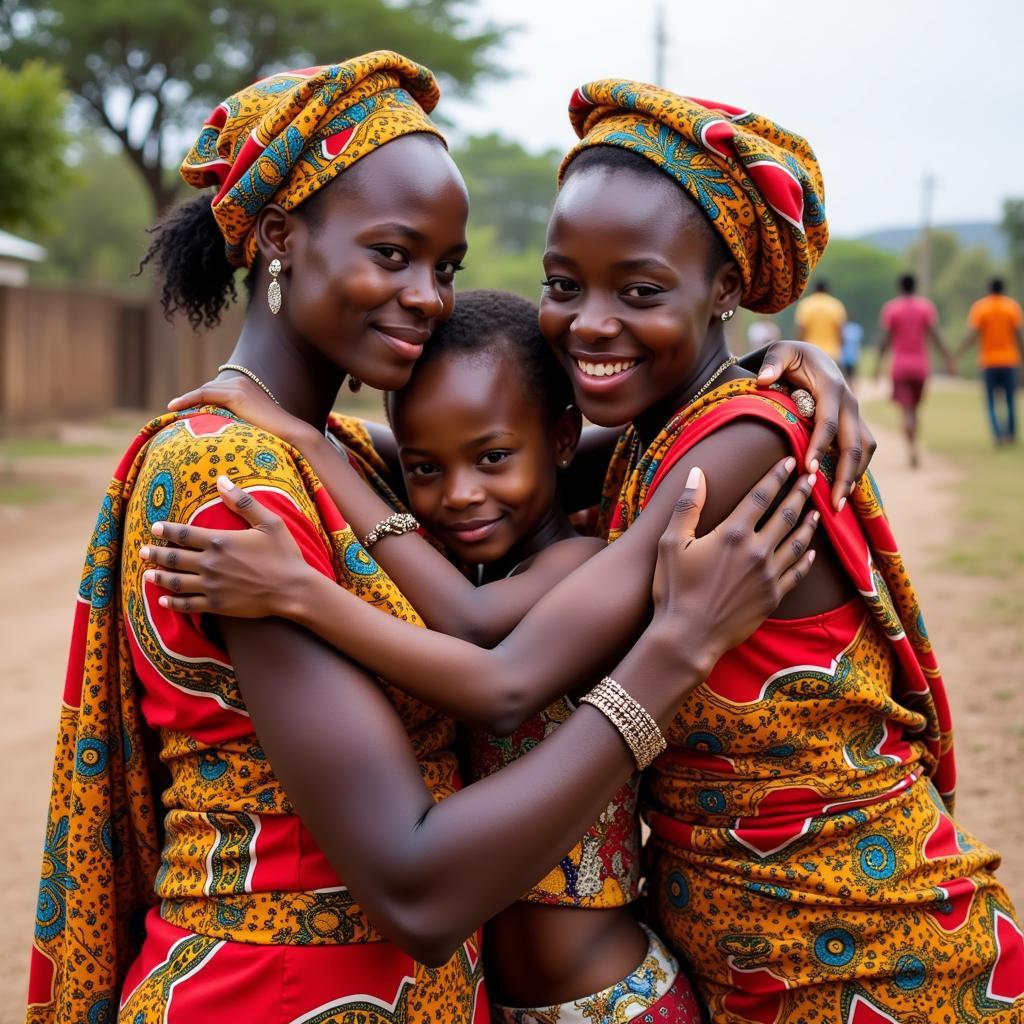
point(758, 183)
point(282, 138)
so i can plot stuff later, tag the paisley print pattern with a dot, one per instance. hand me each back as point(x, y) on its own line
point(758, 183)
point(283, 138)
point(802, 859)
point(603, 868)
point(164, 801)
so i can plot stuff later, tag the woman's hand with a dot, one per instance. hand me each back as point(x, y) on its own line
point(836, 416)
point(731, 579)
point(248, 402)
point(248, 574)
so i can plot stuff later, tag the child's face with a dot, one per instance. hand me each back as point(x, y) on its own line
point(479, 457)
point(628, 303)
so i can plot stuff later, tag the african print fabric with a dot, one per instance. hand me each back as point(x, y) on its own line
point(284, 137)
point(758, 183)
point(603, 869)
point(655, 992)
point(802, 860)
point(240, 899)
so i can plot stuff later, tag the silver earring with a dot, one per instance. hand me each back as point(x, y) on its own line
point(728, 315)
point(274, 289)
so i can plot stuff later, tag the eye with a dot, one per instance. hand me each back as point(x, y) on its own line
point(392, 254)
point(495, 457)
point(560, 285)
point(447, 269)
point(641, 291)
point(422, 470)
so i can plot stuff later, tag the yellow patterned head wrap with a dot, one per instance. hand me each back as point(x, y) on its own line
point(284, 137)
point(759, 184)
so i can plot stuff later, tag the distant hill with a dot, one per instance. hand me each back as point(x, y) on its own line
point(970, 235)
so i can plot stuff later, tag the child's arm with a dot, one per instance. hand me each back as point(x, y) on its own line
point(570, 636)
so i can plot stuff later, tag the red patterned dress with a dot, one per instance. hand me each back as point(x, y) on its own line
point(804, 860)
point(193, 892)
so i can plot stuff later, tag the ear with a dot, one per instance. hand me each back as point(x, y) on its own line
point(275, 230)
point(566, 435)
point(727, 288)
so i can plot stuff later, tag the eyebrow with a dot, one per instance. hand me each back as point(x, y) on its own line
point(492, 435)
point(411, 234)
point(640, 263)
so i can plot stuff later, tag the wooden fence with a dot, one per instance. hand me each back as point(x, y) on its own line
point(67, 354)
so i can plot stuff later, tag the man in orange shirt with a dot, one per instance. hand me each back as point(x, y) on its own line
point(819, 320)
point(995, 324)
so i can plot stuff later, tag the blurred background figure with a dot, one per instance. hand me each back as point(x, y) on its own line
point(853, 335)
point(761, 332)
point(908, 323)
point(995, 327)
point(819, 320)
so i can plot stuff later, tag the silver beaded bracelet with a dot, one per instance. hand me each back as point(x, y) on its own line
point(397, 523)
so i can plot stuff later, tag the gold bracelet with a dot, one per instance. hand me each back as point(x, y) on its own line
point(397, 523)
point(631, 718)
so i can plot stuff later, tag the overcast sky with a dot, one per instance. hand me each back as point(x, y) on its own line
point(887, 91)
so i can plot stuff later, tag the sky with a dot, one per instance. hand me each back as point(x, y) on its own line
point(888, 92)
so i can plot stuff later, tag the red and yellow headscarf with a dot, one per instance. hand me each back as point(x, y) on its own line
point(288, 135)
point(759, 184)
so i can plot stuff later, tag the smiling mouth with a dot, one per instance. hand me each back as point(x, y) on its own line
point(472, 531)
point(407, 343)
point(609, 368)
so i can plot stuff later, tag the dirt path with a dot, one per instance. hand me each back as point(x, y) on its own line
point(42, 548)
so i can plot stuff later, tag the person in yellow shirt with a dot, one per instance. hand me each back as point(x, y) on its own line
point(995, 326)
point(820, 319)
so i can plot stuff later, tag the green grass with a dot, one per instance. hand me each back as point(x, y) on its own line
point(990, 496)
point(19, 492)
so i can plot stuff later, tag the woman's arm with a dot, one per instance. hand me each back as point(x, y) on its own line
point(429, 874)
point(601, 606)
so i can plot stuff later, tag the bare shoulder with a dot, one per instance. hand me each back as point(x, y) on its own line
point(560, 559)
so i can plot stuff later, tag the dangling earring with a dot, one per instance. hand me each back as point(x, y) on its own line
point(274, 289)
point(354, 384)
point(728, 315)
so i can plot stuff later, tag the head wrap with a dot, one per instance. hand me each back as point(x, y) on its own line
point(288, 135)
point(759, 184)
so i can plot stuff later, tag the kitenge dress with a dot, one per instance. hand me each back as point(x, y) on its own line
point(803, 857)
point(179, 886)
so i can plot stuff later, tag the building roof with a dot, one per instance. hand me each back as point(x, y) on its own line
point(15, 248)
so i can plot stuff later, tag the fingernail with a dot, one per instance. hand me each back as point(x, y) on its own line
point(693, 479)
point(815, 518)
point(144, 553)
point(763, 373)
point(225, 482)
point(814, 465)
point(165, 602)
point(149, 575)
point(158, 529)
point(811, 556)
point(789, 464)
point(812, 479)
point(841, 505)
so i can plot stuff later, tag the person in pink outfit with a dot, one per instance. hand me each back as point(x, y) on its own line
point(908, 323)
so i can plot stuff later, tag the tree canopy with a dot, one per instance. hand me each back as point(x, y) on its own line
point(32, 171)
point(149, 72)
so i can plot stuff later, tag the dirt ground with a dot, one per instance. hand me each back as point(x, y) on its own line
point(41, 549)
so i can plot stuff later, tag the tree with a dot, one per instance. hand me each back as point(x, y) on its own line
point(511, 189)
point(149, 72)
point(32, 171)
point(1013, 229)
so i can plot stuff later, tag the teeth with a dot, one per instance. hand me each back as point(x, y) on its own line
point(605, 369)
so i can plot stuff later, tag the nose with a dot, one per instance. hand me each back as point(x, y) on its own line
point(594, 323)
point(422, 294)
point(462, 490)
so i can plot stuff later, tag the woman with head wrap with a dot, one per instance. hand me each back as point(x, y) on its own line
point(803, 859)
point(245, 825)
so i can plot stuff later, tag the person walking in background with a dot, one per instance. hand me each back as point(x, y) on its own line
point(994, 324)
point(819, 320)
point(908, 323)
point(853, 335)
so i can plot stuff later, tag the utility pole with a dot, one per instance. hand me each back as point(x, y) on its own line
point(660, 44)
point(924, 249)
